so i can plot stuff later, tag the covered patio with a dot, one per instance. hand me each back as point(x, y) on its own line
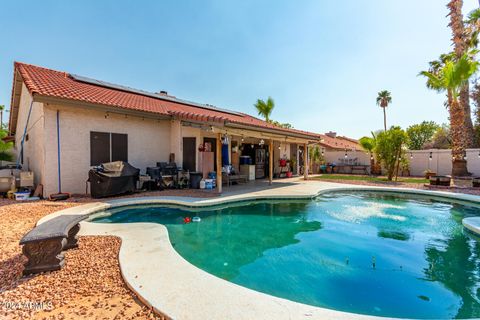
point(240, 154)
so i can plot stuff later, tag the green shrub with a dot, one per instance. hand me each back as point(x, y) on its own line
point(390, 148)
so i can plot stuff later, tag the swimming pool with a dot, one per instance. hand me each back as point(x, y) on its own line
point(362, 252)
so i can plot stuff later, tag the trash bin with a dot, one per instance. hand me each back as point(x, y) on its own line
point(195, 178)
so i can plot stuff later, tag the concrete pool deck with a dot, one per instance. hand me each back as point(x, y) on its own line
point(172, 286)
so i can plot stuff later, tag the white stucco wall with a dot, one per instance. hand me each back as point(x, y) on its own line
point(34, 147)
point(148, 143)
point(441, 161)
point(419, 160)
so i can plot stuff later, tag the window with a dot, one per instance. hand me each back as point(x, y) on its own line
point(107, 147)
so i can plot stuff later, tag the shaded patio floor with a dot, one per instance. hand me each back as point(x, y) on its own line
point(258, 185)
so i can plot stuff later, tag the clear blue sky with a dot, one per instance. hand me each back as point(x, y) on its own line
point(322, 61)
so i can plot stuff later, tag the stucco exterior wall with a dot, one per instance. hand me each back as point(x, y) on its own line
point(148, 143)
point(441, 161)
point(34, 147)
point(419, 160)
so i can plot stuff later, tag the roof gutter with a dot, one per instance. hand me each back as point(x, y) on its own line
point(100, 107)
point(273, 131)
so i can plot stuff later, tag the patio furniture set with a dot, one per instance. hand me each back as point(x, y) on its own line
point(351, 166)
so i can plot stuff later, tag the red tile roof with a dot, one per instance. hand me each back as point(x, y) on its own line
point(340, 143)
point(51, 83)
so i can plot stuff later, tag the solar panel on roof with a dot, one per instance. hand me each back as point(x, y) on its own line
point(149, 94)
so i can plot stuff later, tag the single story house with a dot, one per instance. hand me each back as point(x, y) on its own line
point(339, 149)
point(63, 124)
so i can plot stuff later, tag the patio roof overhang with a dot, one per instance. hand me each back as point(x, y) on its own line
point(274, 134)
point(249, 132)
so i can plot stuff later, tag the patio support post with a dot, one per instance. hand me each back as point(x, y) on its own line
point(305, 160)
point(270, 162)
point(219, 162)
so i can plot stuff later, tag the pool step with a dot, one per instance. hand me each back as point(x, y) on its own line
point(472, 224)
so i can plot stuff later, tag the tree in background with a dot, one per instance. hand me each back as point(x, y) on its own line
point(368, 144)
point(420, 134)
point(265, 108)
point(2, 108)
point(390, 148)
point(384, 98)
point(450, 77)
point(285, 125)
point(442, 138)
point(5, 147)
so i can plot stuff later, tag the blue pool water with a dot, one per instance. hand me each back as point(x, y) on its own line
point(362, 252)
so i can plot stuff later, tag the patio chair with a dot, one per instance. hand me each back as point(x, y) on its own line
point(229, 179)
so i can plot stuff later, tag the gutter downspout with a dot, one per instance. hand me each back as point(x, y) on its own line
point(58, 154)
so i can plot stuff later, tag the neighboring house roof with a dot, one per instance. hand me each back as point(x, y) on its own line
point(56, 84)
point(339, 143)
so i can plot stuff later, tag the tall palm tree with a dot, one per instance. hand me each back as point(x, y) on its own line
point(451, 78)
point(2, 108)
point(472, 30)
point(460, 44)
point(264, 108)
point(384, 98)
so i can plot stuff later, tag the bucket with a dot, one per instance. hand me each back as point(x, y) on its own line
point(22, 196)
point(208, 183)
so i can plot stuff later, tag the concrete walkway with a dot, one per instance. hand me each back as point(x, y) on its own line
point(174, 287)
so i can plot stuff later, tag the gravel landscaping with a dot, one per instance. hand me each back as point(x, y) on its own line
point(90, 284)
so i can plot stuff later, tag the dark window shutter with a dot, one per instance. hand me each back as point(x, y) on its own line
point(99, 148)
point(119, 147)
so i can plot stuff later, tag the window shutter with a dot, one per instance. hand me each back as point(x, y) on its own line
point(99, 148)
point(119, 147)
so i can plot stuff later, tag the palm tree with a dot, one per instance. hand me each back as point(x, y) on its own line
point(472, 30)
point(451, 78)
point(368, 144)
point(315, 157)
point(384, 98)
point(460, 44)
point(265, 108)
point(2, 108)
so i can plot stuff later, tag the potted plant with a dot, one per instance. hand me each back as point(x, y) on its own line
point(293, 164)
